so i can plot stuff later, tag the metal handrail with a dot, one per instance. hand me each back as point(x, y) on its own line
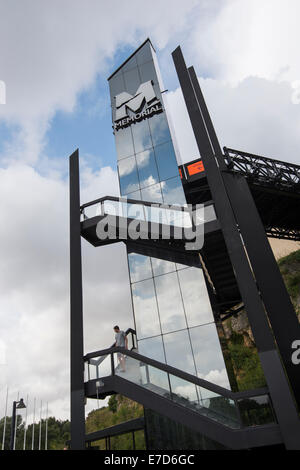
point(179, 373)
point(99, 361)
point(137, 201)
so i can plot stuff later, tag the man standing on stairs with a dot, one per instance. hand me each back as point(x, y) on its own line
point(121, 342)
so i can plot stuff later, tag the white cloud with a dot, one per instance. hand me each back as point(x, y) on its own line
point(255, 115)
point(34, 283)
point(50, 52)
point(250, 38)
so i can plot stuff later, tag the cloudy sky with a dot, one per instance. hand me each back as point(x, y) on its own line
point(55, 58)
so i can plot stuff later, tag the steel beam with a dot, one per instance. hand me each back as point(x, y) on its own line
point(214, 164)
point(76, 320)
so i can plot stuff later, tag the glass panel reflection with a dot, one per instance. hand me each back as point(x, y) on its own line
point(166, 161)
point(161, 266)
point(132, 81)
point(208, 355)
point(152, 193)
point(124, 143)
point(144, 54)
point(173, 192)
point(160, 133)
point(141, 136)
point(145, 309)
point(116, 85)
point(184, 392)
point(147, 72)
point(153, 348)
point(195, 297)
point(130, 64)
point(179, 352)
point(139, 267)
point(128, 175)
point(147, 168)
point(256, 410)
point(169, 303)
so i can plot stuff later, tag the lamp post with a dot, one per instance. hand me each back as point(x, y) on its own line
point(16, 405)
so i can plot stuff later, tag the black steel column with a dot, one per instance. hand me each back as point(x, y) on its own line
point(76, 320)
point(280, 311)
point(275, 376)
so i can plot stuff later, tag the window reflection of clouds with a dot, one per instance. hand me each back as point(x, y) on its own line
point(160, 130)
point(179, 352)
point(147, 168)
point(208, 356)
point(152, 193)
point(169, 303)
point(128, 175)
point(166, 161)
point(141, 136)
point(153, 348)
point(196, 301)
point(173, 192)
point(144, 301)
point(139, 267)
point(161, 266)
point(124, 143)
point(184, 389)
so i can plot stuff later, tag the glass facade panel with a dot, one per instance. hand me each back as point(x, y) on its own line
point(179, 352)
point(139, 267)
point(147, 169)
point(208, 355)
point(173, 192)
point(144, 54)
point(195, 297)
point(128, 175)
point(132, 81)
point(152, 193)
point(130, 64)
point(147, 71)
point(146, 314)
point(184, 392)
point(161, 266)
point(153, 348)
point(166, 161)
point(170, 306)
point(124, 143)
point(117, 85)
point(160, 132)
point(141, 136)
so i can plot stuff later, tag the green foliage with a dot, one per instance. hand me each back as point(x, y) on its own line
point(290, 269)
point(246, 363)
point(58, 433)
point(113, 404)
point(119, 409)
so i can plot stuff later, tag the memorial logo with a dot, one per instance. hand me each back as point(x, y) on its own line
point(132, 108)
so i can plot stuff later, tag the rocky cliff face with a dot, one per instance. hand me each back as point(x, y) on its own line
point(239, 335)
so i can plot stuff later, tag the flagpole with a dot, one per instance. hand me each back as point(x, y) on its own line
point(4, 429)
point(25, 427)
point(32, 443)
point(40, 431)
point(46, 436)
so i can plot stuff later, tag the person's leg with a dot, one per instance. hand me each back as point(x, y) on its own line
point(122, 361)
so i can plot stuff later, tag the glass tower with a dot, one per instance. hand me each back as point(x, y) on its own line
point(172, 310)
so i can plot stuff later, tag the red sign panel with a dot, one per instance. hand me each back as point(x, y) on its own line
point(195, 168)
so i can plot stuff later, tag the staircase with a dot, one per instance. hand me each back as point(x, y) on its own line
point(242, 420)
